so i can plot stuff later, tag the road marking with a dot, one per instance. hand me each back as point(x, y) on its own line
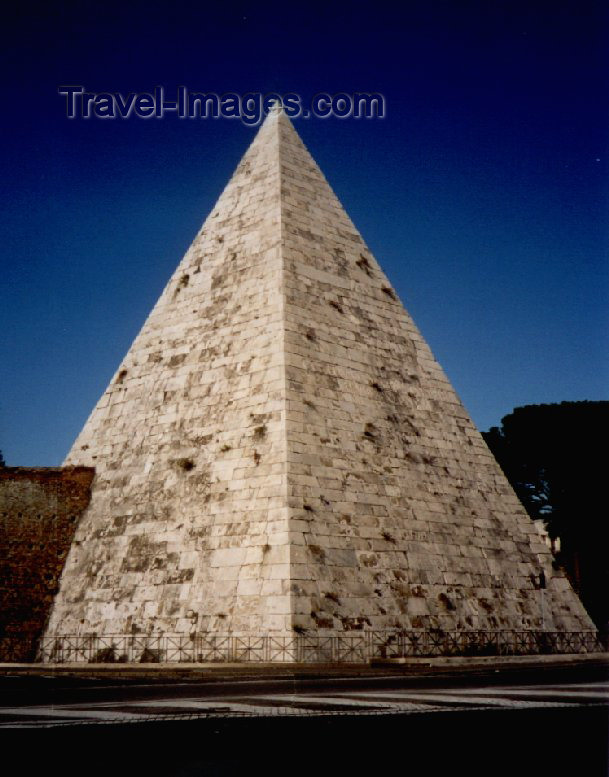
point(439, 699)
point(294, 704)
point(566, 686)
point(598, 696)
point(339, 700)
point(200, 704)
point(67, 712)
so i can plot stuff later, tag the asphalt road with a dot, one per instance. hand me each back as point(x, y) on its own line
point(543, 721)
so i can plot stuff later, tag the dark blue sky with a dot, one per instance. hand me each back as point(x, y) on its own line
point(483, 193)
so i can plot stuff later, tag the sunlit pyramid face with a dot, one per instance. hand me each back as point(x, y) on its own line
point(280, 454)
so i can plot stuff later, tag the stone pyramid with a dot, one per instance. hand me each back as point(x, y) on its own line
point(279, 452)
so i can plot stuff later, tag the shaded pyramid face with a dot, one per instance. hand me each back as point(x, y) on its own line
point(279, 452)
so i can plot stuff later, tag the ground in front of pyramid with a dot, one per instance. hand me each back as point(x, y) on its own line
point(279, 453)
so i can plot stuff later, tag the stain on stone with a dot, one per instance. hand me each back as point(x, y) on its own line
point(321, 621)
point(446, 602)
point(180, 576)
point(217, 280)
point(317, 552)
point(176, 360)
point(368, 559)
point(203, 439)
point(355, 624)
point(364, 265)
point(185, 464)
point(341, 262)
point(370, 432)
point(150, 656)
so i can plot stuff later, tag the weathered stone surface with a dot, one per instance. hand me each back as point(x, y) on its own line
point(39, 510)
point(279, 449)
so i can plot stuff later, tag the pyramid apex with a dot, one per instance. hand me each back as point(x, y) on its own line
point(276, 113)
point(275, 108)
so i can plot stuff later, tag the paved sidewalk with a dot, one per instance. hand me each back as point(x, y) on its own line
point(235, 671)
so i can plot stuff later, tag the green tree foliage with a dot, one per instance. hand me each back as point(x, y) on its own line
point(555, 459)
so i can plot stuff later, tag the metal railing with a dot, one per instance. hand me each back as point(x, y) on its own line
point(355, 647)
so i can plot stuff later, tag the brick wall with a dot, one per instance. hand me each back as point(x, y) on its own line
point(39, 511)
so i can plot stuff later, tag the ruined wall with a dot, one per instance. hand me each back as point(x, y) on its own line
point(39, 511)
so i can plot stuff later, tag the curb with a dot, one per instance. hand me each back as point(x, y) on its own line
point(486, 661)
point(276, 670)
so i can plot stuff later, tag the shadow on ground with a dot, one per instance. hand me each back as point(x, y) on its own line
point(552, 742)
